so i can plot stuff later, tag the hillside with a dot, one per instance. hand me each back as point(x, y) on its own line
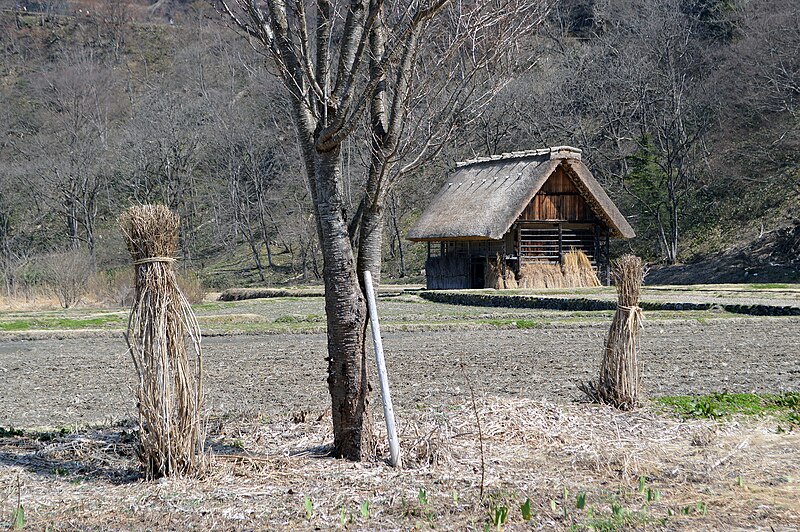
point(687, 112)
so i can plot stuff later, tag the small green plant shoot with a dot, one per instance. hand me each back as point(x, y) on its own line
point(580, 500)
point(499, 516)
point(525, 508)
point(18, 518)
point(365, 509)
point(422, 497)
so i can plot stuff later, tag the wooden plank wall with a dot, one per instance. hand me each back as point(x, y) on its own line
point(558, 200)
point(540, 243)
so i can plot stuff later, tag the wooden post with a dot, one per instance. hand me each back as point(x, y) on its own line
point(560, 246)
point(386, 398)
point(608, 261)
point(597, 263)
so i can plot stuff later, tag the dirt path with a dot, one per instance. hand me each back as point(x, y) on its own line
point(54, 383)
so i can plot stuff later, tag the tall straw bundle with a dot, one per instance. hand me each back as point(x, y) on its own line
point(170, 390)
point(510, 280)
point(620, 375)
point(499, 276)
point(493, 276)
point(577, 270)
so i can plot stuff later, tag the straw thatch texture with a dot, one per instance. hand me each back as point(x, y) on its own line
point(170, 390)
point(484, 197)
point(510, 280)
point(620, 374)
point(578, 271)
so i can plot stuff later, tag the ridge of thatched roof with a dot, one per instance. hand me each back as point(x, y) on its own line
point(485, 196)
point(555, 152)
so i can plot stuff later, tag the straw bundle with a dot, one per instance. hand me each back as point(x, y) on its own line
point(170, 391)
point(510, 280)
point(620, 377)
point(498, 276)
point(540, 275)
point(578, 271)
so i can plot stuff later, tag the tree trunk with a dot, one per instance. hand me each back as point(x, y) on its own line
point(345, 307)
point(72, 223)
point(398, 236)
point(256, 258)
point(371, 243)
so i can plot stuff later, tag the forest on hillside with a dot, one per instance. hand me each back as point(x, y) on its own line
point(686, 111)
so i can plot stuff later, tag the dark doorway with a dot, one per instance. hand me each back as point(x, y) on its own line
point(476, 273)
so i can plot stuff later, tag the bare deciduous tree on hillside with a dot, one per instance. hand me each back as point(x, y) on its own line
point(410, 71)
point(69, 150)
point(637, 98)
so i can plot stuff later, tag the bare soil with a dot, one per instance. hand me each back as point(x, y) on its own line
point(270, 431)
point(56, 383)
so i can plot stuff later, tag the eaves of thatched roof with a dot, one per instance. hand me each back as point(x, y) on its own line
point(485, 196)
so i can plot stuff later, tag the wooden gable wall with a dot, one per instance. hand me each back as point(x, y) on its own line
point(558, 200)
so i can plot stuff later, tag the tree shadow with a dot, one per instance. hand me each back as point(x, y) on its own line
point(95, 454)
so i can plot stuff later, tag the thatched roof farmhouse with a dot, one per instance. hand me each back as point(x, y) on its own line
point(513, 210)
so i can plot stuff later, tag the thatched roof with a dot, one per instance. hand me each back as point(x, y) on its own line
point(485, 196)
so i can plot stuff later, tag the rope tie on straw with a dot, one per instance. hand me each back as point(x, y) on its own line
point(634, 321)
point(149, 260)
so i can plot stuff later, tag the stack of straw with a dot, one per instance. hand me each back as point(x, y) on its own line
point(170, 391)
point(575, 272)
point(620, 374)
point(540, 275)
point(497, 278)
point(578, 271)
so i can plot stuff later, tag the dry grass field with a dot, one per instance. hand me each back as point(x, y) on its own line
point(549, 461)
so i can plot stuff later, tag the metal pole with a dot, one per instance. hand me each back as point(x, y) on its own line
point(386, 398)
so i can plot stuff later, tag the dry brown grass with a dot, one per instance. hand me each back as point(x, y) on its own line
point(578, 270)
point(264, 469)
point(39, 301)
point(499, 277)
point(575, 272)
point(540, 275)
point(164, 340)
point(620, 374)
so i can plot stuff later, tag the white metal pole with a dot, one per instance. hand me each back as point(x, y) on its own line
point(386, 398)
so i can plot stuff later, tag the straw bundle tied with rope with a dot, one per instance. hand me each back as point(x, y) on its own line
point(170, 390)
point(620, 375)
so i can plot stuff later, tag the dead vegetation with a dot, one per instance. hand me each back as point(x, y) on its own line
point(576, 271)
point(620, 375)
point(499, 276)
point(164, 340)
point(577, 465)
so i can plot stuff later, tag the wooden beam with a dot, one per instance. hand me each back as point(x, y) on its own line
point(560, 245)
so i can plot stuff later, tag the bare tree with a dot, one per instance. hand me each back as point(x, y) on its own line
point(76, 107)
point(637, 98)
point(368, 60)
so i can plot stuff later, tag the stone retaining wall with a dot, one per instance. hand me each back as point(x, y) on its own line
point(559, 303)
